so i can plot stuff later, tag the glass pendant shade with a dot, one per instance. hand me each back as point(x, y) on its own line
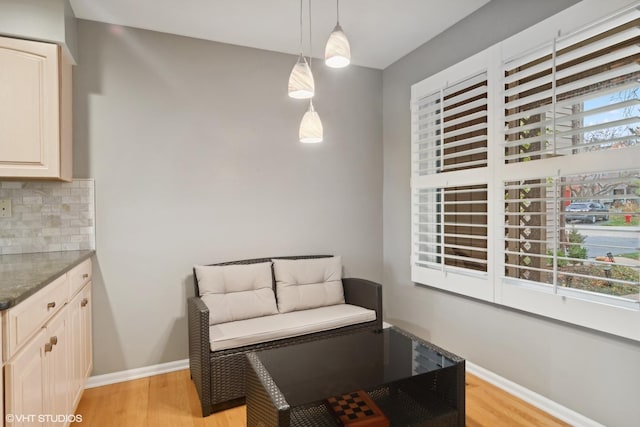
point(301, 85)
point(337, 53)
point(310, 126)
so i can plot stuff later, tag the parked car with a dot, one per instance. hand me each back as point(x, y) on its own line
point(586, 212)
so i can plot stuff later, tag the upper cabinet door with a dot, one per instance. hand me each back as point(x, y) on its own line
point(35, 110)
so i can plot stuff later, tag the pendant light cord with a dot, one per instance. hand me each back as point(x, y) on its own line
point(338, 12)
point(300, 27)
point(310, 45)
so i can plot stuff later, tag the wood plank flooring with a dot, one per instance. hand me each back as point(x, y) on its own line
point(488, 405)
point(170, 400)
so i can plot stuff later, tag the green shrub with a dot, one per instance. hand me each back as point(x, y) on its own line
point(560, 254)
point(575, 249)
point(577, 252)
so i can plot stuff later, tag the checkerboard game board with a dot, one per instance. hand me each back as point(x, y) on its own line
point(356, 409)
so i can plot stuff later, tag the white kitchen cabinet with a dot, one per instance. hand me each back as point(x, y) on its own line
point(25, 319)
point(25, 383)
point(35, 112)
point(56, 359)
point(45, 374)
point(81, 343)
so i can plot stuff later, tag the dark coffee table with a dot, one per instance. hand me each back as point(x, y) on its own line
point(413, 382)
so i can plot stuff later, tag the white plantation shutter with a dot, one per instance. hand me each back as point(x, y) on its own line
point(452, 127)
point(528, 105)
point(530, 223)
point(427, 139)
point(451, 227)
point(525, 171)
point(547, 244)
point(576, 94)
point(464, 126)
point(449, 202)
point(572, 123)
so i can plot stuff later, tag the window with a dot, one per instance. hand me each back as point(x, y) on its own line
point(552, 238)
point(525, 173)
point(450, 163)
point(451, 227)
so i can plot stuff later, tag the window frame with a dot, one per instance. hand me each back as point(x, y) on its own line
point(468, 282)
point(567, 305)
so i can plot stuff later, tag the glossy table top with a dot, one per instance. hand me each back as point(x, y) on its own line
point(319, 369)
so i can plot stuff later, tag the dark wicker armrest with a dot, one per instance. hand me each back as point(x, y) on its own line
point(364, 293)
point(199, 350)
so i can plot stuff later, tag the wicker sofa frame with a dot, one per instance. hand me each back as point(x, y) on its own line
point(219, 376)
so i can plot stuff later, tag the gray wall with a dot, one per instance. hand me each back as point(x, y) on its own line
point(594, 374)
point(193, 147)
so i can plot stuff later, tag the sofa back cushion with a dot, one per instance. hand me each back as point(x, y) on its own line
point(236, 292)
point(308, 283)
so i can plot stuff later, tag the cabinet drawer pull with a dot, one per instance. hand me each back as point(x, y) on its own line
point(51, 305)
point(85, 276)
point(48, 347)
point(53, 340)
point(84, 302)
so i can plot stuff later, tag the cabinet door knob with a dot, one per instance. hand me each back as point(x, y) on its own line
point(53, 340)
point(48, 347)
point(84, 302)
point(85, 276)
point(51, 305)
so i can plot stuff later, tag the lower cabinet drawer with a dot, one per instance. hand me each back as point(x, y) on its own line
point(78, 277)
point(25, 319)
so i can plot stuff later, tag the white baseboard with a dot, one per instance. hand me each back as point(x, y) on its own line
point(549, 406)
point(134, 374)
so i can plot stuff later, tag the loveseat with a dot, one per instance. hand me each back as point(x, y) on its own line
point(255, 304)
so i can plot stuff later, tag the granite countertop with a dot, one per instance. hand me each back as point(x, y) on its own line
point(22, 275)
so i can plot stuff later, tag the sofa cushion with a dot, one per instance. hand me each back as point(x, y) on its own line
point(237, 291)
point(308, 283)
point(286, 325)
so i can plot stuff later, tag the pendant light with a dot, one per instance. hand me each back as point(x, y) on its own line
point(337, 53)
point(310, 126)
point(301, 85)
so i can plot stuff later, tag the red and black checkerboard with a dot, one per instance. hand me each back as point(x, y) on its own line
point(356, 409)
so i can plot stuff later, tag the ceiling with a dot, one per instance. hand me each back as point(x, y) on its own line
point(379, 31)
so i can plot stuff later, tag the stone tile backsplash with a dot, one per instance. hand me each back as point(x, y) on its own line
point(48, 216)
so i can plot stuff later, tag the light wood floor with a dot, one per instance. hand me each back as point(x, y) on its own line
point(170, 400)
